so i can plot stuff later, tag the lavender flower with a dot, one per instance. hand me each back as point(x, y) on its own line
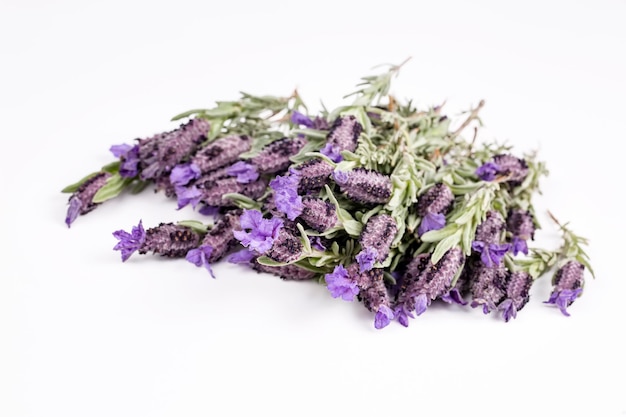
point(313, 175)
point(568, 284)
point(378, 234)
point(520, 223)
point(340, 284)
point(286, 247)
point(262, 232)
point(364, 186)
point(200, 257)
point(159, 154)
point(214, 191)
point(244, 172)
point(438, 199)
point(287, 272)
point(490, 253)
point(275, 157)
point(435, 280)
point(366, 259)
point(317, 243)
point(515, 169)
point(373, 294)
point(286, 198)
point(167, 239)
point(491, 229)
point(183, 173)
point(220, 153)
point(130, 242)
point(487, 285)
point(344, 133)
point(517, 293)
point(319, 214)
point(244, 256)
point(488, 171)
point(220, 238)
point(81, 202)
point(129, 156)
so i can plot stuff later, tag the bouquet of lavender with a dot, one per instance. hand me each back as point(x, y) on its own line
point(379, 201)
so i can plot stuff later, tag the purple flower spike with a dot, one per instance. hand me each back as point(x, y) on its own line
point(340, 285)
point(129, 242)
point(431, 221)
point(518, 245)
point(262, 231)
point(366, 259)
point(564, 298)
point(488, 171)
point(244, 172)
point(286, 196)
point(244, 256)
point(188, 195)
point(73, 210)
point(383, 317)
point(200, 257)
point(490, 254)
point(332, 152)
point(298, 118)
point(182, 174)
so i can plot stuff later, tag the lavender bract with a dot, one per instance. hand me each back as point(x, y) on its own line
point(220, 153)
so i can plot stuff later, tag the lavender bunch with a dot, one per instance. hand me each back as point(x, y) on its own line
point(384, 204)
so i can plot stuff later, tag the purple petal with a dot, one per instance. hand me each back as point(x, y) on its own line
point(207, 210)
point(120, 150)
point(200, 257)
point(73, 210)
point(188, 195)
point(431, 221)
point(262, 231)
point(340, 285)
point(316, 243)
point(244, 256)
point(497, 252)
point(286, 196)
point(488, 171)
point(298, 118)
point(332, 152)
point(508, 310)
point(518, 245)
point(245, 172)
point(454, 296)
point(182, 174)
point(340, 177)
point(383, 317)
point(421, 304)
point(366, 259)
point(129, 242)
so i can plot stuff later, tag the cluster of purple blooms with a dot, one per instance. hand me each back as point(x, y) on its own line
point(292, 199)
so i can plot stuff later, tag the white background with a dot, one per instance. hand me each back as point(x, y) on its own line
point(85, 335)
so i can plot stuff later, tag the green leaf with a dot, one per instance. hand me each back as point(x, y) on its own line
point(187, 114)
point(437, 235)
point(114, 186)
point(445, 245)
point(242, 201)
point(264, 260)
point(112, 167)
point(196, 225)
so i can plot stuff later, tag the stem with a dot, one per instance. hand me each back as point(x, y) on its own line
point(473, 115)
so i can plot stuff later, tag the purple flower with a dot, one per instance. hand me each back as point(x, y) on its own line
point(490, 254)
point(366, 259)
point(209, 210)
point(421, 303)
point(182, 174)
point(508, 310)
point(188, 195)
point(120, 150)
point(200, 257)
point(286, 196)
point(244, 256)
point(333, 152)
point(317, 243)
point(341, 177)
point(431, 221)
point(340, 285)
point(262, 232)
point(73, 210)
point(383, 317)
point(244, 172)
point(564, 298)
point(129, 242)
point(488, 171)
point(298, 118)
point(401, 313)
point(518, 245)
point(454, 296)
